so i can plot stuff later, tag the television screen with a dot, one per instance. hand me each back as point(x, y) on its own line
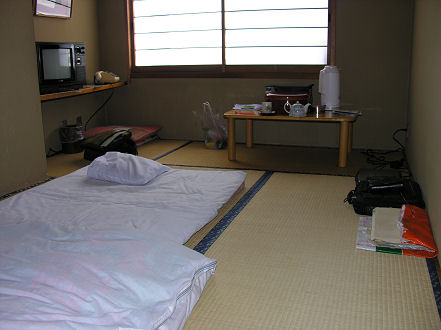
point(57, 63)
point(61, 66)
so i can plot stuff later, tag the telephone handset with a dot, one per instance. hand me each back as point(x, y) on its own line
point(113, 140)
point(105, 77)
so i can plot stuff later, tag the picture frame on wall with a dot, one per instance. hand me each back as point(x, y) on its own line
point(53, 8)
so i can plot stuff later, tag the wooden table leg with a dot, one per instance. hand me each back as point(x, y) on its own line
point(343, 150)
point(231, 139)
point(249, 137)
point(350, 137)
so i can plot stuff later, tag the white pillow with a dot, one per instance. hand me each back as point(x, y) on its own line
point(125, 169)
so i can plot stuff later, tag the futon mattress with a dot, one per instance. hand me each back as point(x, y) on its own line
point(173, 206)
point(52, 278)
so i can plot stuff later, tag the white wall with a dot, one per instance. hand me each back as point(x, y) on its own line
point(424, 141)
point(22, 157)
point(83, 26)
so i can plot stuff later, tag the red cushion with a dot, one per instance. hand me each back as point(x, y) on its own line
point(139, 133)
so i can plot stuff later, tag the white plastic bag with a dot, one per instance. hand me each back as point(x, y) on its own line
point(214, 128)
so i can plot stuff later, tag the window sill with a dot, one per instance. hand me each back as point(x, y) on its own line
point(279, 71)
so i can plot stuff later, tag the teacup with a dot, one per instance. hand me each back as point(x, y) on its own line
point(267, 107)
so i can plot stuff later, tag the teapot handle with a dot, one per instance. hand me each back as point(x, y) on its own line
point(287, 104)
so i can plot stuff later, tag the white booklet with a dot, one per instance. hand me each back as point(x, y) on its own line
point(247, 107)
point(385, 225)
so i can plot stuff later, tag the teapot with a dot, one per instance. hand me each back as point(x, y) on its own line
point(297, 109)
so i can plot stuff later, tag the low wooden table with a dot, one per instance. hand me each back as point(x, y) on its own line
point(327, 116)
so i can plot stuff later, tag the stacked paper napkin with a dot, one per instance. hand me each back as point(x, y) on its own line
point(247, 107)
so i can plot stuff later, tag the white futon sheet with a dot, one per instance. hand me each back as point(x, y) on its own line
point(52, 278)
point(80, 253)
point(174, 205)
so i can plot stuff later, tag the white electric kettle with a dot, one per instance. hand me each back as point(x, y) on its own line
point(329, 87)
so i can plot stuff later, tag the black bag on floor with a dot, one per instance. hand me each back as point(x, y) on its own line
point(113, 140)
point(380, 190)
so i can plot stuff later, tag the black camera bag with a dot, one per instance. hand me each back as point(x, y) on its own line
point(381, 190)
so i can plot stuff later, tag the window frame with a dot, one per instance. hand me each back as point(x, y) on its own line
point(230, 71)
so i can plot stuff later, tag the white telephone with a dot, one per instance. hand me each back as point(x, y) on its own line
point(105, 77)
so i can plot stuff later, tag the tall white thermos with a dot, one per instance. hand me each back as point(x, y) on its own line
point(329, 87)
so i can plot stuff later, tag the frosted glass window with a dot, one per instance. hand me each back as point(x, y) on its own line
point(244, 32)
point(231, 5)
point(167, 57)
point(278, 32)
point(171, 32)
point(276, 56)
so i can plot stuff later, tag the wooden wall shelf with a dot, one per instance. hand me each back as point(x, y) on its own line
point(87, 89)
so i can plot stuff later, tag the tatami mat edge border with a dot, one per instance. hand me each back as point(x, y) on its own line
point(173, 150)
point(436, 286)
point(258, 169)
point(219, 228)
point(25, 188)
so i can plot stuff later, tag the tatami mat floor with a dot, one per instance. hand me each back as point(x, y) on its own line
point(269, 157)
point(288, 259)
point(260, 157)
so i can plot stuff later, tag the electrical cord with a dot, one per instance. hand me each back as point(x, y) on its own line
point(380, 159)
point(395, 139)
point(52, 152)
point(101, 106)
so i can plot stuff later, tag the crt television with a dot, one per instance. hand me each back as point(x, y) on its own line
point(61, 66)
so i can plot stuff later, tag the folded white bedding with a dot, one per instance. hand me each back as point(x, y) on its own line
point(81, 253)
point(125, 168)
point(53, 278)
point(174, 205)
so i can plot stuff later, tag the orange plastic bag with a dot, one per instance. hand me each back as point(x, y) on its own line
point(417, 231)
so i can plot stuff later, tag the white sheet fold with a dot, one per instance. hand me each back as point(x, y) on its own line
point(52, 278)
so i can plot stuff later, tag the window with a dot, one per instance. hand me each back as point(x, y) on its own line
point(231, 38)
